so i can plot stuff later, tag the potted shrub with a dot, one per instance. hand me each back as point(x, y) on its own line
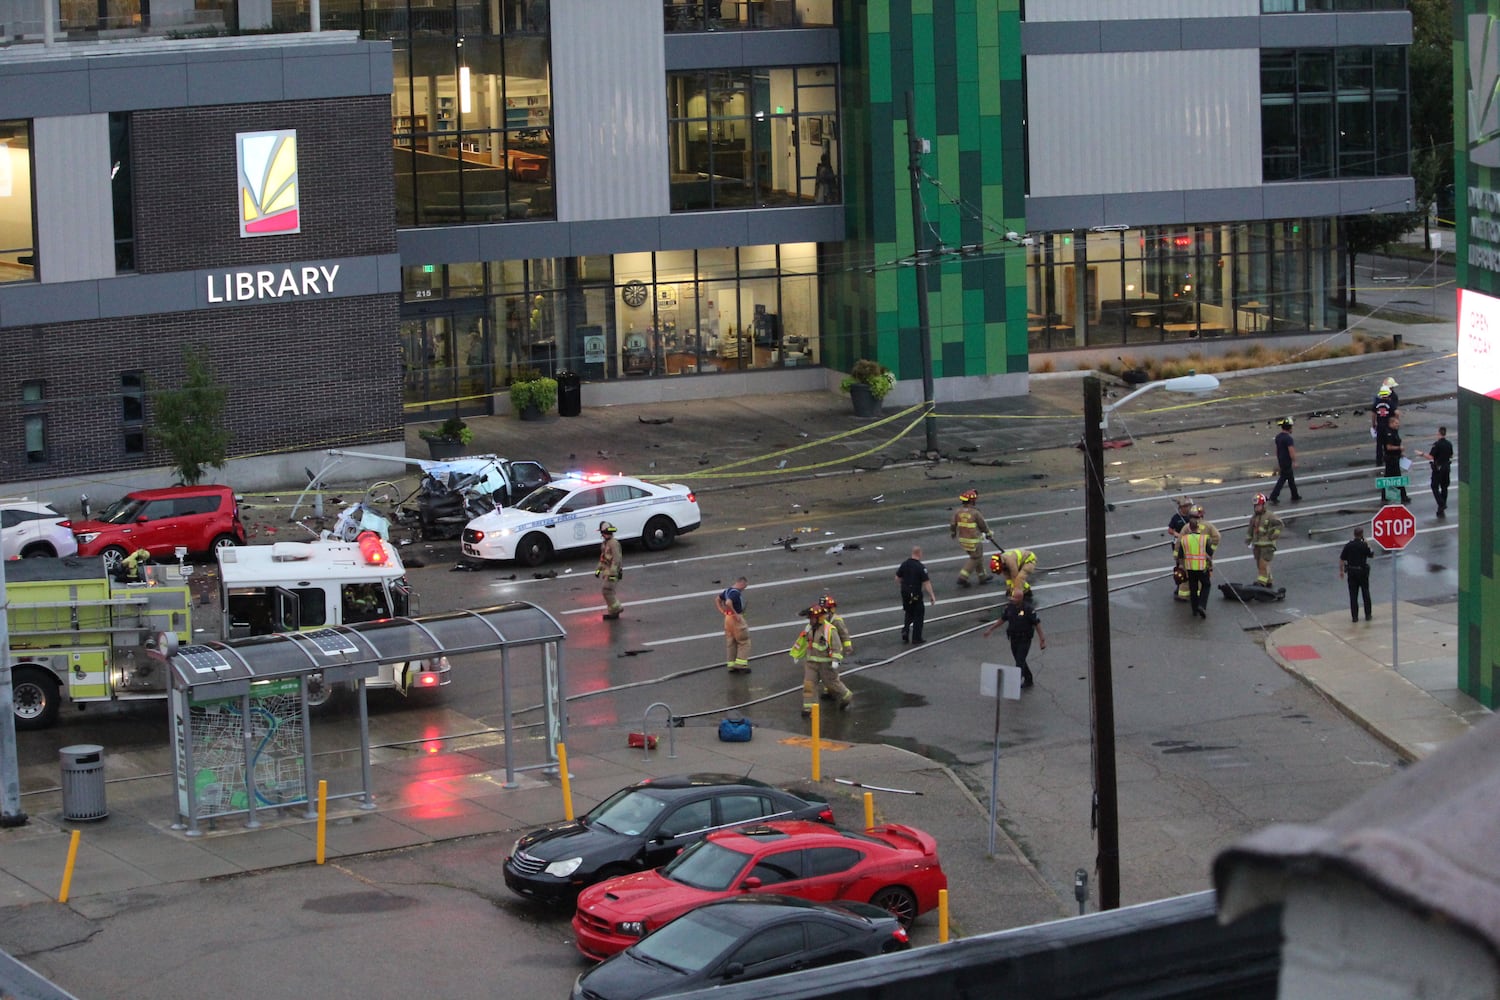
point(533, 394)
point(449, 439)
point(867, 384)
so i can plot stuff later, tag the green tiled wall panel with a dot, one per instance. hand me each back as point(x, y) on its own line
point(1478, 416)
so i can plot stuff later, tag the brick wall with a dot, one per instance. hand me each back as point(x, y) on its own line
point(186, 213)
point(313, 374)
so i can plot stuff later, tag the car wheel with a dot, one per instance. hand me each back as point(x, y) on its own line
point(660, 532)
point(533, 550)
point(898, 902)
point(38, 550)
point(112, 556)
point(36, 697)
point(222, 542)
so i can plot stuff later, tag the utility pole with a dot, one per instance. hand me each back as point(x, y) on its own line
point(10, 772)
point(1101, 672)
point(916, 147)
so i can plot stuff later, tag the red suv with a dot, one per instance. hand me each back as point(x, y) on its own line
point(200, 518)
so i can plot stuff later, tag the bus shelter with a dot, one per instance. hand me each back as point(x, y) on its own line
point(241, 725)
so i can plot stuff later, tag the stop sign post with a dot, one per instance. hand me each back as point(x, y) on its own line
point(1393, 527)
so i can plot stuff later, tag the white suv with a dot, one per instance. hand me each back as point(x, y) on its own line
point(29, 528)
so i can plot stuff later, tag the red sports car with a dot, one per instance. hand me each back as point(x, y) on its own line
point(894, 867)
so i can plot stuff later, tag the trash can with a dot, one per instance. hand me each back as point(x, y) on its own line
point(83, 782)
point(569, 394)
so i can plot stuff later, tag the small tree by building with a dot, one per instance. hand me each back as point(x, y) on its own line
point(189, 421)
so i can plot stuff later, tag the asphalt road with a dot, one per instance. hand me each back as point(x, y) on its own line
point(1213, 740)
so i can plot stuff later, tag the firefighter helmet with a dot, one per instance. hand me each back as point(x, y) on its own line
point(816, 611)
point(605, 528)
point(1260, 499)
point(828, 602)
point(997, 563)
point(969, 496)
point(1197, 511)
point(1389, 383)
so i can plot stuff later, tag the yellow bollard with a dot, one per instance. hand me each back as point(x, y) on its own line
point(869, 810)
point(817, 760)
point(567, 786)
point(322, 819)
point(67, 882)
point(942, 916)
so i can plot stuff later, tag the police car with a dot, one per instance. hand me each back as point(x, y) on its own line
point(565, 514)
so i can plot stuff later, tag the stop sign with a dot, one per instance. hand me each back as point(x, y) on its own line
point(1394, 526)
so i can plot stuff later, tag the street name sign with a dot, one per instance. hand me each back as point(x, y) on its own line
point(1392, 482)
point(1393, 527)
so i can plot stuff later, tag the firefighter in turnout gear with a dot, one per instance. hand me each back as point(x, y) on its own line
point(831, 612)
point(1261, 535)
point(1015, 567)
point(969, 528)
point(731, 604)
point(611, 568)
point(820, 650)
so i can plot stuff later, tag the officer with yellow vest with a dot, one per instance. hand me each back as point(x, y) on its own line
point(1195, 550)
point(820, 651)
point(1015, 567)
point(969, 528)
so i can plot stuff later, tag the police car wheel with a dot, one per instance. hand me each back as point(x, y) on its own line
point(660, 532)
point(533, 550)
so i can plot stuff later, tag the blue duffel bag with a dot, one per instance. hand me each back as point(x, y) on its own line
point(735, 729)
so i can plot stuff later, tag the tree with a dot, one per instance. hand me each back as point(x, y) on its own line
point(189, 422)
point(1368, 233)
point(1430, 70)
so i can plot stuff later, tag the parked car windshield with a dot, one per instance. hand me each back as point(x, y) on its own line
point(690, 942)
point(122, 511)
point(629, 811)
point(542, 500)
point(706, 866)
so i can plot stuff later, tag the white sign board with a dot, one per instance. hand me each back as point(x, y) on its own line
point(1009, 681)
point(1479, 343)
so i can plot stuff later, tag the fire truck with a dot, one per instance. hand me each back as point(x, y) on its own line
point(78, 634)
point(303, 586)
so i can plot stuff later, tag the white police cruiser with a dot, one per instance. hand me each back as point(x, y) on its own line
point(565, 514)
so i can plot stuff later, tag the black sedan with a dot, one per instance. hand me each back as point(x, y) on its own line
point(747, 937)
point(643, 827)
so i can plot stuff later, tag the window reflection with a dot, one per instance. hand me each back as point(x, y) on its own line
point(745, 15)
point(1333, 113)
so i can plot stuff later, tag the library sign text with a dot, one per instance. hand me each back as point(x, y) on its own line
point(1484, 228)
point(272, 283)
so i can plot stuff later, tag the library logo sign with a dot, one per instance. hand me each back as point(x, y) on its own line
point(270, 204)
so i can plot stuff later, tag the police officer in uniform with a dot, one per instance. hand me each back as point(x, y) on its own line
point(969, 528)
point(1381, 411)
point(611, 568)
point(1020, 619)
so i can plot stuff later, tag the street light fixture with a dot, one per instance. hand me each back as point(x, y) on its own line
point(1101, 671)
point(1192, 382)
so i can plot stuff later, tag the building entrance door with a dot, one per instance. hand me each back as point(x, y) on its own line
point(447, 362)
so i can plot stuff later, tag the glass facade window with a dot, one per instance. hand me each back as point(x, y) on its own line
point(34, 421)
point(750, 138)
point(133, 411)
point(121, 191)
point(471, 110)
point(1329, 113)
point(17, 203)
point(746, 15)
point(1162, 283)
point(468, 329)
